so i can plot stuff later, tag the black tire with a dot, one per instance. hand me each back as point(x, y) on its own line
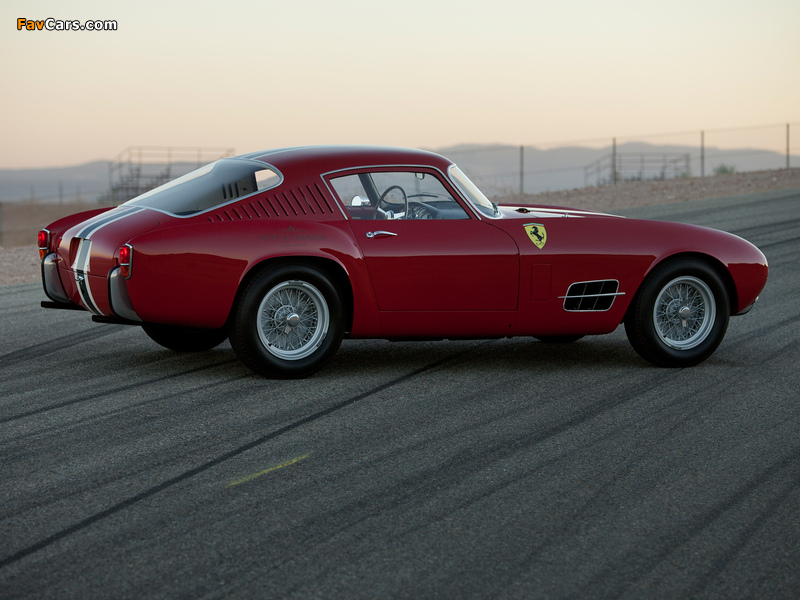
point(679, 315)
point(287, 322)
point(185, 339)
point(558, 339)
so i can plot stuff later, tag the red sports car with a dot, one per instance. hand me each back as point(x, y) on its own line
point(287, 251)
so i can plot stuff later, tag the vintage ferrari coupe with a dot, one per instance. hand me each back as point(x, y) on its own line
point(288, 251)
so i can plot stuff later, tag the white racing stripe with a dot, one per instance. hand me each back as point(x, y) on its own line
point(103, 220)
point(81, 270)
point(82, 259)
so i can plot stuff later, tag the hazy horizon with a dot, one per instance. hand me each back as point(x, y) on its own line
point(495, 168)
point(251, 75)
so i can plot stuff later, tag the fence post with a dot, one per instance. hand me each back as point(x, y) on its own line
point(787, 145)
point(521, 170)
point(1, 224)
point(614, 161)
point(702, 154)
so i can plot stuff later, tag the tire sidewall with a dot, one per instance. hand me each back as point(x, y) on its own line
point(244, 334)
point(640, 323)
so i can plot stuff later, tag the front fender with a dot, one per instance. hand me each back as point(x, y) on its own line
point(747, 267)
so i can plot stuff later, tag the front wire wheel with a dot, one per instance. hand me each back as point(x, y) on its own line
point(287, 322)
point(684, 313)
point(680, 313)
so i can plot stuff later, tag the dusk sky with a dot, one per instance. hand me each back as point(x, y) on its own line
point(261, 74)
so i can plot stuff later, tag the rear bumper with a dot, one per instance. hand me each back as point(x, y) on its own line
point(119, 302)
point(53, 287)
point(118, 296)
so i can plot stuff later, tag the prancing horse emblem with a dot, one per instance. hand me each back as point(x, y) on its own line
point(537, 234)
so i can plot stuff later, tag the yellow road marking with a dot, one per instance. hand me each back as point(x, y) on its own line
point(270, 470)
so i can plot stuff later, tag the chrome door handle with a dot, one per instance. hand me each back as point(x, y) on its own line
point(372, 234)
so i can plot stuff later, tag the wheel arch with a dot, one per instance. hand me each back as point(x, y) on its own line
point(713, 262)
point(328, 266)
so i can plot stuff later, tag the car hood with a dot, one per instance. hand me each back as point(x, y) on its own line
point(548, 212)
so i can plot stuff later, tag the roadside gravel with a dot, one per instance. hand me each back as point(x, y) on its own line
point(21, 264)
point(646, 193)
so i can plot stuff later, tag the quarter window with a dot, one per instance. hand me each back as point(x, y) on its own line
point(210, 186)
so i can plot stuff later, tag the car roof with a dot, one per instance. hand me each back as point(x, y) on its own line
point(324, 159)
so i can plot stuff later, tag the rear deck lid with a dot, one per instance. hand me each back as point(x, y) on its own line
point(90, 246)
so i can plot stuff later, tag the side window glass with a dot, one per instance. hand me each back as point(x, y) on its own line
point(393, 195)
point(351, 192)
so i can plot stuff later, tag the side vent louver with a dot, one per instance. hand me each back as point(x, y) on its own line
point(308, 202)
point(586, 296)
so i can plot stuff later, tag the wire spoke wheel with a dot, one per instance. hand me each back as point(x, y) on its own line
point(684, 313)
point(680, 313)
point(288, 321)
point(293, 320)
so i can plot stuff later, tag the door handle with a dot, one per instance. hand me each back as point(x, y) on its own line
point(372, 234)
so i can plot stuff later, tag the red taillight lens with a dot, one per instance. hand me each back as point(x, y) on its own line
point(125, 255)
point(43, 239)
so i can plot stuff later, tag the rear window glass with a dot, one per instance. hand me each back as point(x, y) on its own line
point(210, 186)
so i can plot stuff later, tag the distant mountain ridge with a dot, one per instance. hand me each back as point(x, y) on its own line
point(494, 167)
point(87, 180)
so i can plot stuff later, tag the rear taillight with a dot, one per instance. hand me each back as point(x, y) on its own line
point(125, 256)
point(43, 239)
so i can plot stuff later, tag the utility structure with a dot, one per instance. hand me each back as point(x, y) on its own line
point(139, 169)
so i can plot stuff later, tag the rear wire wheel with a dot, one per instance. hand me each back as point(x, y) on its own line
point(287, 322)
point(679, 315)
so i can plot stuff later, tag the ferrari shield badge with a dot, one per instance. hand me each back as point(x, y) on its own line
point(537, 234)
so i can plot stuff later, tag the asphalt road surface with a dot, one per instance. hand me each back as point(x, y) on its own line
point(476, 469)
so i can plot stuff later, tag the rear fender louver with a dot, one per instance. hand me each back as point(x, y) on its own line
point(306, 201)
point(591, 296)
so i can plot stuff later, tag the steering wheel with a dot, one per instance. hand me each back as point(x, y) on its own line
point(390, 214)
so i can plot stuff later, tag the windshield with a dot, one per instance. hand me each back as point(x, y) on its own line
point(210, 186)
point(472, 193)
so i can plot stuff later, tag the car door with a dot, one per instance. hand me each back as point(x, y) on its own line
point(423, 250)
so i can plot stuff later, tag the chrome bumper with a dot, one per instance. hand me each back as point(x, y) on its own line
point(748, 309)
point(53, 287)
point(118, 297)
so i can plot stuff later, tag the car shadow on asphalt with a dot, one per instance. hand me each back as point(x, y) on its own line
point(501, 355)
point(365, 358)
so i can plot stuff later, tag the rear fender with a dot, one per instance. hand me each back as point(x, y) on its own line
point(189, 273)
